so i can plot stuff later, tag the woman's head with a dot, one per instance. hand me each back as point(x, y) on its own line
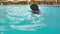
point(34, 7)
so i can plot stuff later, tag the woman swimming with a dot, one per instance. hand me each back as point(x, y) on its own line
point(35, 9)
point(35, 12)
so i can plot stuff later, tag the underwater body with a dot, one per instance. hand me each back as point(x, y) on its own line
point(18, 19)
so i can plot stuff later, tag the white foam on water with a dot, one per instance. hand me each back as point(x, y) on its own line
point(15, 17)
point(29, 27)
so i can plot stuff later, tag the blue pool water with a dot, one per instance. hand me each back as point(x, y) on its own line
point(18, 20)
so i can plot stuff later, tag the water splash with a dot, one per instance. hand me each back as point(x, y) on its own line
point(35, 24)
point(16, 17)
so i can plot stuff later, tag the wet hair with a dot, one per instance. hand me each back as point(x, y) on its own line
point(34, 7)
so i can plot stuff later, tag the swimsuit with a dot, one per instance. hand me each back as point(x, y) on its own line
point(35, 12)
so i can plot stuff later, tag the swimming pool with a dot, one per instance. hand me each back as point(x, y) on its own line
point(17, 19)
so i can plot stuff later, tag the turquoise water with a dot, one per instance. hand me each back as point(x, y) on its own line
point(21, 15)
